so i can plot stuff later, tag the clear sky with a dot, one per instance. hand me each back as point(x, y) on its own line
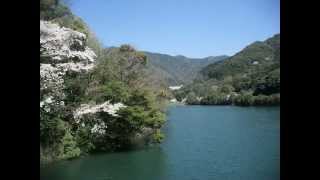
point(193, 28)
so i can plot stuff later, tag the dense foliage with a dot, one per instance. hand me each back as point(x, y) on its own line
point(250, 77)
point(119, 76)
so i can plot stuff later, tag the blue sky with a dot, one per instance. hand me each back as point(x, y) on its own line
point(193, 28)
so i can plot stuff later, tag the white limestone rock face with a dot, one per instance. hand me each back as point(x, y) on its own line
point(62, 50)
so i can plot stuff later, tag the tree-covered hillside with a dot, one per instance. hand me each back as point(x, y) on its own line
point(92, 99)
point(179, 69)
point(252, 74)
point(253, 58)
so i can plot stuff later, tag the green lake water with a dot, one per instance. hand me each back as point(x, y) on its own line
point(202, 143)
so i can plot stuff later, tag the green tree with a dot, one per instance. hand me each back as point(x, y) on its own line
point(158, 136)
point(244, 99)
point(227, 89)
point(68, 147)
point(51, 9)
point(84, 140)
point(114, 91)
point(192, 99)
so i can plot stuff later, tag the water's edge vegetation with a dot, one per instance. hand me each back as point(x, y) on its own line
point(107, 108)
point(111, 100)
point(202, 142)
point(250, 77)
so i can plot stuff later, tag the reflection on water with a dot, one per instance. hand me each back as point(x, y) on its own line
point(147, 164)
point(202, 143)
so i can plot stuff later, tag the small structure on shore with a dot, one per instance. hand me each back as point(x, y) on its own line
point(175, 87)
point(173, 100)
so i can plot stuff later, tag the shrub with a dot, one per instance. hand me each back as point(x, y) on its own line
point(68, 148)
point(158, 136)
point(126, 48)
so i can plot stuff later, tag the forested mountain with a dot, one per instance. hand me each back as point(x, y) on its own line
point(175, 70)
point(253, 73)
point(258, 57)
point(179, 69)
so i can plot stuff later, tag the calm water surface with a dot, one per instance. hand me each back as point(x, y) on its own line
point(202, 143)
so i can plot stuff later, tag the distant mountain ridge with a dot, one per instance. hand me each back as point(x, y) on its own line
point(250, 77)
point(256, 59)
point(175, 70)
point(179, 69)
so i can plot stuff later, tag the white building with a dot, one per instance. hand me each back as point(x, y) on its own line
point(175, 87)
